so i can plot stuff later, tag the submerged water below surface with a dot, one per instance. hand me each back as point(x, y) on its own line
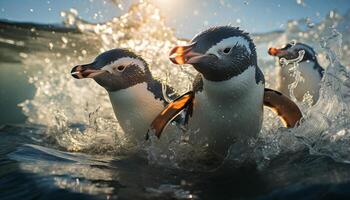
point(71, 146)
point(29, 170)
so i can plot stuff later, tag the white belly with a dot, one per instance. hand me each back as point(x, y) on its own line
point(310, 84)
point(135, 108)
point(228, 111)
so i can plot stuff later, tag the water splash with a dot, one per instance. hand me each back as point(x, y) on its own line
point(61, 102)
point(295, 72)
point(325, 127)
point(79, 116)
point(333, 106)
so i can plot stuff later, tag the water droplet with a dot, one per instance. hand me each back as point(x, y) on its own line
point(63, 14)
point(120, 6)
point(300, 2)
point(23, 55)
point(283, 61)
point(74, 11)
point(64, 39)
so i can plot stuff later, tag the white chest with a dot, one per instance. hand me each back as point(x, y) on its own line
point(135, 108)
point(227, 111)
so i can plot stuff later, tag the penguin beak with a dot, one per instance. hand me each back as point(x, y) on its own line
point(85, 71)
point(277, 52)
point(184, 55)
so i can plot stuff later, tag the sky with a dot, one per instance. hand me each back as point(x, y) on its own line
point(187, 17)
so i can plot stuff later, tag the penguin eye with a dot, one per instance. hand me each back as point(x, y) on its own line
point(287, 46)
point(121, 68)
point(227, 50)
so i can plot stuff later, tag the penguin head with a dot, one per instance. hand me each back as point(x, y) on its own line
point(115, 69)
point(291, 51)
point(218, 53)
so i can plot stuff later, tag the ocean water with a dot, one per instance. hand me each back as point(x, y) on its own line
point(67, 144)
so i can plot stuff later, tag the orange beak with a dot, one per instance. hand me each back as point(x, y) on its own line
point(277, 52)
point(273, 51)
point(183, 54)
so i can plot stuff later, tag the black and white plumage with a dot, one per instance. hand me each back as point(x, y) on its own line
point(226, 103)
point(135, 95)
point(310, 70)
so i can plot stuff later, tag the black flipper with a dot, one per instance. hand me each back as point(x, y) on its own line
point(173, 109)
point(285, 108)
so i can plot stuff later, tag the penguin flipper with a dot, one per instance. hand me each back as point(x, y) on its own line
point(184, 102)
point(288, 111)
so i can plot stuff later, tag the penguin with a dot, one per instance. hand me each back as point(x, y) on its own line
point(225, 105)
point(309, 68)
point(136, 97)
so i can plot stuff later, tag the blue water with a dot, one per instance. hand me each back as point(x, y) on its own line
point(29, 170)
